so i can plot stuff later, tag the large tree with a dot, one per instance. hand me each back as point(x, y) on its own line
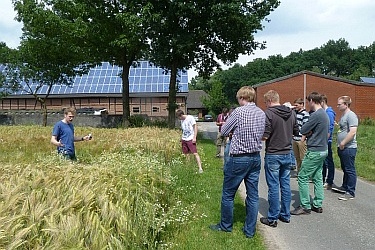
point(203, 33)
point(99, 30)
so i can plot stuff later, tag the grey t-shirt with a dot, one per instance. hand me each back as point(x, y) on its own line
point(316, 130)
point(348, 120)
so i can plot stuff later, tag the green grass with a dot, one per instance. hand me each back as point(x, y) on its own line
point(204, 193)
point(130, 189)
point(365, 158)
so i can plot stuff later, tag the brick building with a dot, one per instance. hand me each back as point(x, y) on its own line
point(102, 88)
point(302, 83)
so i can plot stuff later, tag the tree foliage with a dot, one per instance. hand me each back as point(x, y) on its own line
point(334, 58)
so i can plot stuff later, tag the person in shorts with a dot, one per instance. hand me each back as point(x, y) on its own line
point(189, 136)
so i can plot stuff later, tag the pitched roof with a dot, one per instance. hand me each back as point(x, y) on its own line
point(194, 99)
point(334, 78)
point(368, 79)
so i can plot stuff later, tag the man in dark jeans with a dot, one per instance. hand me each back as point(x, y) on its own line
point(328, 164)
point(281, 124)
point(247, 123)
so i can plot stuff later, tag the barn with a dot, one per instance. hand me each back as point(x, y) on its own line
point(300, 84)
point(101, 89)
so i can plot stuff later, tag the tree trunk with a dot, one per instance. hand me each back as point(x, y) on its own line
point(44, 112)
point(172, 106)
point(125, 95)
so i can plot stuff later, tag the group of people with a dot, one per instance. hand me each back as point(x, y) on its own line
point(283, 128)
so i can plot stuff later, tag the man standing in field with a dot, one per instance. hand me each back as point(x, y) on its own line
point(347, 148)
point(247, 125)
point(189, 136)
point(280, 126)
point(63, 135)
point(316, 132)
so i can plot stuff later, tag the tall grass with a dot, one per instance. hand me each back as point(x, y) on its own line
point(117, 196)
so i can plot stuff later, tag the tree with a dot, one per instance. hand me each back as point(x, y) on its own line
point(202, 33)
point(99, 30)
point(216, 99)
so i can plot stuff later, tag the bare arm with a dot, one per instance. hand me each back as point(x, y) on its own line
point(195, 133)
point(55, 142)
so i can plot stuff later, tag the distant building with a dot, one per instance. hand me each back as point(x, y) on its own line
point(300, 84)
point(194, 102)
point(102, 88)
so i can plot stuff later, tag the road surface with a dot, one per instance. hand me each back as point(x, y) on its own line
point(343, 225)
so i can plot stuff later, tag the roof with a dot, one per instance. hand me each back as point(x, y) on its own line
point(194, 99)
point(368, 79)
point(105, 79)
point(313, 74)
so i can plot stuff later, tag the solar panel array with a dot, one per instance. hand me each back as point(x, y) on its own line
point(368, 79)
point(106, 79)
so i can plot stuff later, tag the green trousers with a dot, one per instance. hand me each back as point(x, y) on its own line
point(311, 168)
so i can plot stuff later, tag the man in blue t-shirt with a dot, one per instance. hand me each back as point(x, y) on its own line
point(63, 135)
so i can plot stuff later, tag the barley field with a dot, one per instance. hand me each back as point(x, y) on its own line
point(118, 195)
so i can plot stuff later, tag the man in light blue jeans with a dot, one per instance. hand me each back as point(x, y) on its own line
point(281, 124)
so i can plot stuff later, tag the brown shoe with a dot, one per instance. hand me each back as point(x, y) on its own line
point(300, 211)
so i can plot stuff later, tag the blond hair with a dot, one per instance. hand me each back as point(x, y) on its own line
point(71, 110)
point(247, 93)
point(345, 99)
point(272, 96)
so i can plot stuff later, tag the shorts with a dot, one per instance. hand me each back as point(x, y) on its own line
point(189, 147)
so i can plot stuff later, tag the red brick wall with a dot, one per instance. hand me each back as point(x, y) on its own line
point(293, 88)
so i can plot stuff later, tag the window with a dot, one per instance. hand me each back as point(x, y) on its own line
point(155, 109)
point(136, 110)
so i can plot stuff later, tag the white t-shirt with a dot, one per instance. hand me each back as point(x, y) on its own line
point(187, 128)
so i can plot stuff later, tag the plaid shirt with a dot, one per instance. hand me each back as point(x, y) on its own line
point(247, 123)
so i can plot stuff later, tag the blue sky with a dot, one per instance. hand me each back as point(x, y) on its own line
point(295, 25)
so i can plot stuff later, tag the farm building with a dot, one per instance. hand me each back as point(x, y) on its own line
point(299, 85)
point(101, 88)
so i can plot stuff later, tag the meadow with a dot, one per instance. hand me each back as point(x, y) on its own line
point(129, 189)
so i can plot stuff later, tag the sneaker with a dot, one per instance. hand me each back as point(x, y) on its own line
point(218, 155)
point(200, 171)
point(217, 227)
point(346, 197)
point(318, 210)
point(293, 167)
point(282, 219)
point(265, 221)
point(300, 210)
point(327, 186)
point(339, 189)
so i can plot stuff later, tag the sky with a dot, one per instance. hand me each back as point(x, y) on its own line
point(294, 25)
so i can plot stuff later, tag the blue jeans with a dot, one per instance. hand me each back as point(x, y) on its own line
point(277, 169)
point(329, 165)
point(226, 152)
point(347, 160)
point(245, 168)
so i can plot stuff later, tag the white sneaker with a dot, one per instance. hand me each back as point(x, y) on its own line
point(346, 197)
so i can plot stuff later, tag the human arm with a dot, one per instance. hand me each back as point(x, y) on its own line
point(195, 132)
point(82, 138)
point(55, 142)
point(350, 136)
point(268, 126)
point(231, 123)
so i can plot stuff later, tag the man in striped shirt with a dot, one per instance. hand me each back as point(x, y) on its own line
point(299, 145)
point(247, 123)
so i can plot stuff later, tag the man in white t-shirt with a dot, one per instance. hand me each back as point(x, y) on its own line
point(189, 136)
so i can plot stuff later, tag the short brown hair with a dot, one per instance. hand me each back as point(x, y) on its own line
point(315, 97)
point(299, 101)
point(69, 110)
point(179, 113)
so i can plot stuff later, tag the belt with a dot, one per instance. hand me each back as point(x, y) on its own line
point(244, 154)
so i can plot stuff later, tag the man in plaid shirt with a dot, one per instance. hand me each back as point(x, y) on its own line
point(247, 123)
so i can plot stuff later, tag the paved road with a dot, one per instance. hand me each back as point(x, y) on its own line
point(342, 225)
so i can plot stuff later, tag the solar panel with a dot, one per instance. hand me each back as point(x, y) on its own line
point(106, 79)
point(368, 79)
